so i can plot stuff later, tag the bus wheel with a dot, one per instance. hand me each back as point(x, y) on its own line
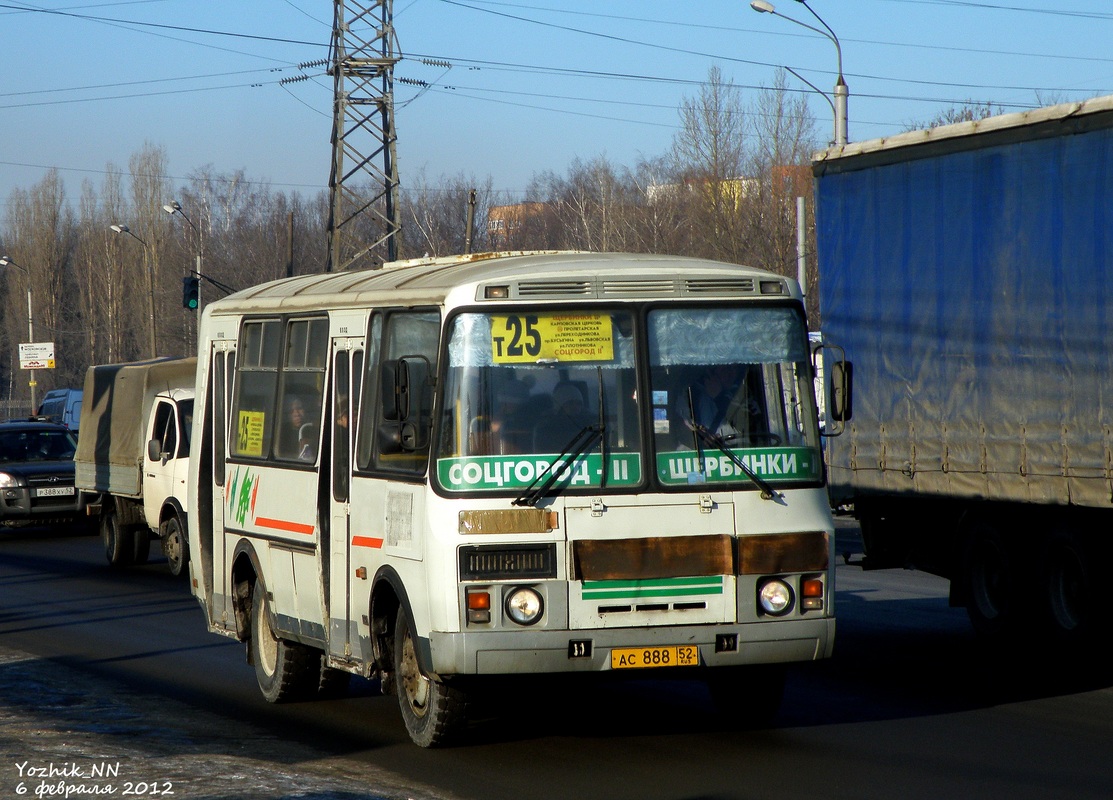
point(747, 696)
point(431, 709)
point(174, 545)
point(332, 683)
point(282, 668)
point(118, 539)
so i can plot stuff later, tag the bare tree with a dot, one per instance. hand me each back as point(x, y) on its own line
point(710, 161)
point(40, 238)
point(435, 214)
point(150, 189)
point(967, 111)
point(785, 136)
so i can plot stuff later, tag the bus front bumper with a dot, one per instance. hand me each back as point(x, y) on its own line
point(541, 651)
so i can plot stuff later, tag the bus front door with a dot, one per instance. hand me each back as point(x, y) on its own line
point(347, 363)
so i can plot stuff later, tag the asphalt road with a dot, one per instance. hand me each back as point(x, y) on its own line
point(99, 667)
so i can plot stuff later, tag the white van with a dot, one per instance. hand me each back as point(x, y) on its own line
point(62, 406)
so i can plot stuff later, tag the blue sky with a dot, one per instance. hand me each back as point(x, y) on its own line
point(533, 84)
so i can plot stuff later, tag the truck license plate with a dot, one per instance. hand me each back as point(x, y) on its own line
point(54, 491)
point(642, 657)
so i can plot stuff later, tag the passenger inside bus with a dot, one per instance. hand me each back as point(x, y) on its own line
point(725, 403)
point(307, 442)
point(508, 429)
point(555, 431)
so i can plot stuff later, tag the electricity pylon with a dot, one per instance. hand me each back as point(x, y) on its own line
point(363, 223)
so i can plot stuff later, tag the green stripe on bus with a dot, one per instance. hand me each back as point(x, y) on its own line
point(712, 580)
point(662, 587)
point(620, 594)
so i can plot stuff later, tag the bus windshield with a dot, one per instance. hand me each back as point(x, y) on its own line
point(731, 385)
point(533, 393)
point(522, 390)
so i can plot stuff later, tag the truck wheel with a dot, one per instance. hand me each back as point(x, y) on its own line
point(174, 545)
point(141, 536)
point(432, 710)
point(282, 668)
point(118, 539)
point(747, 696)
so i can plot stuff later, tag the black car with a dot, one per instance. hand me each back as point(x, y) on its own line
point(37, 473)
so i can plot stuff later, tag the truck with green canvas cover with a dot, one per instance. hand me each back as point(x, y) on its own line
point(133, 454)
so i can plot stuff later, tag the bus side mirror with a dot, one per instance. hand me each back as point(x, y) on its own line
point(396, 390)
point(407, 405)
point(842, 395)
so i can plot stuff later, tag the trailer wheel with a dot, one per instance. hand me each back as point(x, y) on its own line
point(432, 710)
point(1067, 589)
point(989, 574)
point(282, 668)
point(172, 533)
point(118, 539)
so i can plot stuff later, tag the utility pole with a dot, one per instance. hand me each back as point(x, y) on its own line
point(363, 223)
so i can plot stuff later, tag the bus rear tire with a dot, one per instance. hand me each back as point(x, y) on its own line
point(432, 710)
point(332, 683)
point(282, 668)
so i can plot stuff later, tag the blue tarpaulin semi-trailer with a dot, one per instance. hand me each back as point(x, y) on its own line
point(965, 272)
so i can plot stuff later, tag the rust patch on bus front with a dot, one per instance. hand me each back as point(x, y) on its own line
point(654, 557)
point(779, 553)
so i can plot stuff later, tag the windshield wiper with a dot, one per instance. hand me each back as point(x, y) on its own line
point(715, 440)
point(579, 444)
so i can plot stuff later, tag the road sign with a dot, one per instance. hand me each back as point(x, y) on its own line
point(36, 355)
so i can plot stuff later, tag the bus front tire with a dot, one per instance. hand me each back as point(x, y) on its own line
point(282, 668)
point(432, 710)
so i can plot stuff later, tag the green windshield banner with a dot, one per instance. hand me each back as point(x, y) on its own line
point(770, 463)
point(499, 473)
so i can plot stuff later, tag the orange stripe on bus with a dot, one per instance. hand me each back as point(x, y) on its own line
point(367, 541)
point(283, 525)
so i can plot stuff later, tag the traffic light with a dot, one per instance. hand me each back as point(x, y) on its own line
point(190, 292)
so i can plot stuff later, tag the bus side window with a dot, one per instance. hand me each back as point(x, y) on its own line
point(369, 396)
point(410, 345)
point(253, 412)
point(302, 389)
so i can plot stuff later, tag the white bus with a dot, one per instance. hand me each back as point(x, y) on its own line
point(525, 463)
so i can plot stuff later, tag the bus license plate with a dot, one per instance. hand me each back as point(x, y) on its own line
point(54, 491)
point(642, 657)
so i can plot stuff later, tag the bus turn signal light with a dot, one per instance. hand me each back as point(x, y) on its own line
point(479, 606)
point(812, 590)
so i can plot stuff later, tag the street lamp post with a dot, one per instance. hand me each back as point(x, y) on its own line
point(172, 208)
point(842, 92)
point(150, 280)
point(6, 261)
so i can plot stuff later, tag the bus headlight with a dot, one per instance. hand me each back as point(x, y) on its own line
point(524, 605)
point(775, 597)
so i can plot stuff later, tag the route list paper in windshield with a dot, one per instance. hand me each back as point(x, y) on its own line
point(528, 338)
